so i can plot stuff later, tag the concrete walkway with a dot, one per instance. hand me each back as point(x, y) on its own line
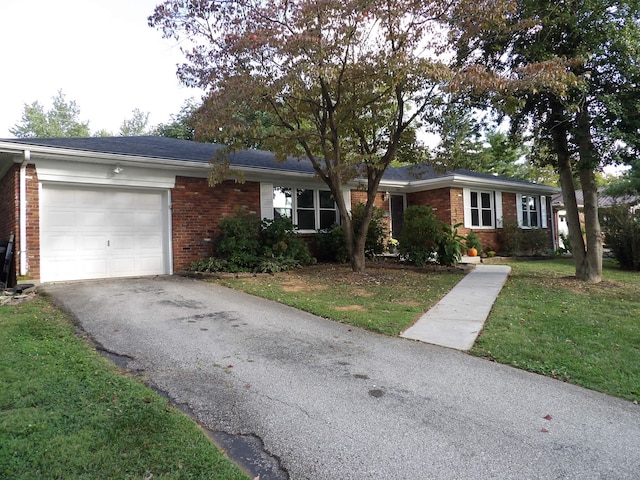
point(457, 319)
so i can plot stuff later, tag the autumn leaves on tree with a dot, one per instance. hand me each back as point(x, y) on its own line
point(347, 84)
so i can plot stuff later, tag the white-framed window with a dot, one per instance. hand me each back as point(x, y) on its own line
point(310, 209)
point(532, 211)
point(482, 208)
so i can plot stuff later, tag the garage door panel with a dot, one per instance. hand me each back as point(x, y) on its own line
point(90, 198)
point(93, 244)
point(144, 219)
point(149, 242)
point(99, 232)
point(91, 219)
point(59, 219)
point(120, 243)
point(62, 244)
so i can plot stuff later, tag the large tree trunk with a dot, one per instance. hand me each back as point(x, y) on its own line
point(590, 270)
point(587, 257)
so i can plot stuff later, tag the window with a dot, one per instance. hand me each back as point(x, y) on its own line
point(309, 209)
point(532, 211)
point(482, 208)
point(482, 214)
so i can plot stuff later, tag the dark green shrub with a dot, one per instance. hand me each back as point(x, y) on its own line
point(331, 243)
point(247, 244)
point(239, 241)
point(377, 233)
point(278, 239)
point(208, 265)
point(516, 241)
point(473, 241)
point(621, 230)
point(450, 244)
point(420, 235)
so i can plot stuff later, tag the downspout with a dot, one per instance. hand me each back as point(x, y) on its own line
point(23, 212)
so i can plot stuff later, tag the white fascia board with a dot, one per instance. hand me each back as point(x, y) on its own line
point(462, 181)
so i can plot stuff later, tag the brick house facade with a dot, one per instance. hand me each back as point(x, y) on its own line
point(169, 178)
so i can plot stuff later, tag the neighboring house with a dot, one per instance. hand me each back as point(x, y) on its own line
point(85, 208)
point(559, 216)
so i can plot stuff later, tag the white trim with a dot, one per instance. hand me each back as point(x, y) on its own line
point(498, 209)
point(466, 204)
point(519, 209)
point(23, 213)
point(169, 231)
point(266, 201)
point(543, 211)
point(346, 194)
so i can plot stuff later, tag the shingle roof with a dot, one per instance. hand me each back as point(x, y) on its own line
point(189, 151)
point(604, 201)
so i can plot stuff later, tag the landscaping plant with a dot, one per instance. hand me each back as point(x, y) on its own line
point(621, 229)
point(247, 244)
point(420, 235)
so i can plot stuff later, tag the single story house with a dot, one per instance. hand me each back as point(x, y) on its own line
point(85, 208)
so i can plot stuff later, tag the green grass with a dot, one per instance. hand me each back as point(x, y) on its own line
point(547, 322)
point(385, 300)
point(66, 413)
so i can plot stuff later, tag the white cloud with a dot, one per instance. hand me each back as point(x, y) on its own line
point(101, 54)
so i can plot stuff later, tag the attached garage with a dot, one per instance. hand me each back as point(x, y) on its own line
point(102, 232)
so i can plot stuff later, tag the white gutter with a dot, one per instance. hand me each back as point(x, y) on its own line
point(23, 212)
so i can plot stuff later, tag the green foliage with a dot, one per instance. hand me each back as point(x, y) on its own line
point(377, 233)
point(239, 241)
point(247, 244)
point(451, 244)
point(621, 230)
point(472, 241)
point(523, 242)
point(278, 239)
point(136, 125)
point(61, 121)
point(350, 108)
point(181, 125)
point(331, 244)
point(420, 235)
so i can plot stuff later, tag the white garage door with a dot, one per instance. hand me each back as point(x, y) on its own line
point(100, 232)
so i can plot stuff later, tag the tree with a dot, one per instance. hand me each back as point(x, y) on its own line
point(589, 115)
point(180, 126)
point(343, 82)
point(61, 121)
point(136, 125)
point(628, 184)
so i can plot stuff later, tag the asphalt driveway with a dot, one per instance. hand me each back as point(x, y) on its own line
point(331, 401)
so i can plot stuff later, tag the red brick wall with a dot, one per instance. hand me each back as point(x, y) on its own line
point(196, 210)
point(359, 196)
point(9, 220)
point(9, 185)
point(447, 203)
point(33, 223)
point(9, 209)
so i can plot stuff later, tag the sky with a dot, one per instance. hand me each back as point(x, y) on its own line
point(100, 53)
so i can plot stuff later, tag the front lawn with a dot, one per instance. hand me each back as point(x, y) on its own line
point(385, 300)
point(547, 322)
point(65, 412)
